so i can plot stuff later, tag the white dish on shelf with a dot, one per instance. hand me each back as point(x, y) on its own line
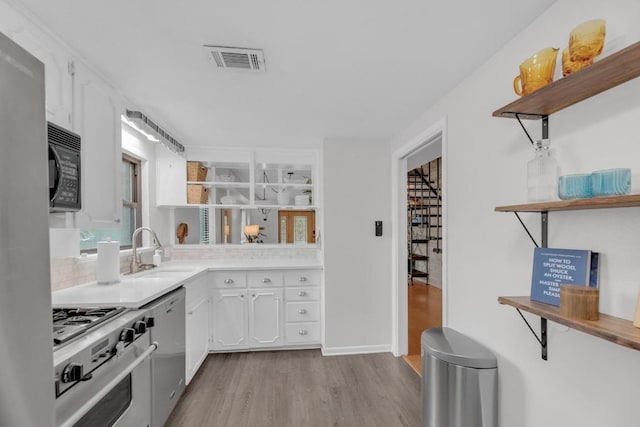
point(302, 200)
point(228, 200)
point(288, 180)
point(225, 178)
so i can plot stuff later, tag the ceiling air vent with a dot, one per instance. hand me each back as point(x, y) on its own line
point(236, 58)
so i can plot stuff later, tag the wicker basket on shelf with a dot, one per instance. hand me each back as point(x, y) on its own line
point(197, 194)
point(196, 171)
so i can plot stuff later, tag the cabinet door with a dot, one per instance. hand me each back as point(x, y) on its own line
point(58, 80)
point(197, 337)
point(171, 177)
point(229, 320)
point(265, 318)
point(97, 119)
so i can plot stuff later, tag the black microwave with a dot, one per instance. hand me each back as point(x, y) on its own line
point(64, 169)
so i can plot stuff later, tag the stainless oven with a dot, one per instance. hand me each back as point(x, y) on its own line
point(103, 377)
point(64, 169)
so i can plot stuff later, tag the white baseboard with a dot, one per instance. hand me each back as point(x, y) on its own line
point(359, 349)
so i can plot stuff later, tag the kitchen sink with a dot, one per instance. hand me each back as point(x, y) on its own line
point(175, 269)
point(161, 274)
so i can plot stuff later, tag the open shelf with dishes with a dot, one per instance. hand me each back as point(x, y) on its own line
point(605, 74)
point(251, 179)
point(629, 200)
point(228, 190)
point(611, 71)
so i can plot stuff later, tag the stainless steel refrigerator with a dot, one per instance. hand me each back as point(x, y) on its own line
point(26, 361)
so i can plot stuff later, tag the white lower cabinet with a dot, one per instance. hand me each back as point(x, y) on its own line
point(265, 318)
point(197, 340)
point(196, 325)
point(264, 309)
point(229, 319)
point(303, 312)
point(303, 333)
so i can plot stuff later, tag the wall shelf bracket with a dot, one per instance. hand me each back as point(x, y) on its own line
point(542, 340)
point(544, 225)
point(526, 229)
point(545, 125)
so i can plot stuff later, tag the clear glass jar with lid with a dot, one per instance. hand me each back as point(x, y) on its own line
point(542, 174)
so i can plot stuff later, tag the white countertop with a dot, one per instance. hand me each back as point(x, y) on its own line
point(137, 290)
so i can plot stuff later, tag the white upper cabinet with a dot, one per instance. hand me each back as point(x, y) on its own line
point(171, 177)
point(96, 115)
point(57, 63)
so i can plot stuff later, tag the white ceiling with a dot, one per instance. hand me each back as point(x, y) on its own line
point(335, 69)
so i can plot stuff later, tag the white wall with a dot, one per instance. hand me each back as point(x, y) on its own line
point(586, 381)
point(357, 263)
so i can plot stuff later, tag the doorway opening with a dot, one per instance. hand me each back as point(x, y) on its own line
point(424, 247)
point(428, 294)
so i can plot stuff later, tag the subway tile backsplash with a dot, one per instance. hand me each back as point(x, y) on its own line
point(73, 271)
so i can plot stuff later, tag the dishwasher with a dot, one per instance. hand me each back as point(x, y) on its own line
point(168, 361)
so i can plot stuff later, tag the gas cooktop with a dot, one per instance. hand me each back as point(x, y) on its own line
point(69, 323)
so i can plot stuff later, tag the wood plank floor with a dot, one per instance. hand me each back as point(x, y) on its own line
point(425, 311)
point(300, 388)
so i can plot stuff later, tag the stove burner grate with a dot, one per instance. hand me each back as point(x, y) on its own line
point(69, 323)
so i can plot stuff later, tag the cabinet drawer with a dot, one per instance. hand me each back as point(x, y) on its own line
point(229, 280)
point(303, 311)
point(302, 277)
point(264, 279)
point(303, 333)
point(309, 293)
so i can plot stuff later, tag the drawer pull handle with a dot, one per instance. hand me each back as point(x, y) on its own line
point(302, 294)
point(302, 279)
point(266, 280)
point(302, 332)
point(302, 311)
point(228, 281)
point(241, 296)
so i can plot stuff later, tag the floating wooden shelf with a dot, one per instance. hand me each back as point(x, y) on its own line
point(610, 328)
point(573, 205)
point(605, 74)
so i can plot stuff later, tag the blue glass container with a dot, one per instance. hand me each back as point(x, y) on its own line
point(611, 182)
point(577, 186)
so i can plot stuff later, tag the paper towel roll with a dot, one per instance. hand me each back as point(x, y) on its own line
point(108, 265)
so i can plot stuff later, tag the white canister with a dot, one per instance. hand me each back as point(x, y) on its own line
point(108, 264)
point(283, 197)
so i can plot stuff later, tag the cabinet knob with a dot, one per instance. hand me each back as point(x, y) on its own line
point(266, 280)
point(302, 279)
point(253, 295)
point(302, 294)
point(228, 281)
point(241, 296)
point(302, 311)
point(302, 332)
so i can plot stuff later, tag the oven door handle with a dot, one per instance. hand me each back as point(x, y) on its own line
point(102, 393)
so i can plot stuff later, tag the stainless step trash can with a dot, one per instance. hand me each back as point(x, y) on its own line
point(459, 381)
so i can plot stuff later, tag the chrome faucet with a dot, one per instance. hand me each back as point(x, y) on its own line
point(136, 262)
